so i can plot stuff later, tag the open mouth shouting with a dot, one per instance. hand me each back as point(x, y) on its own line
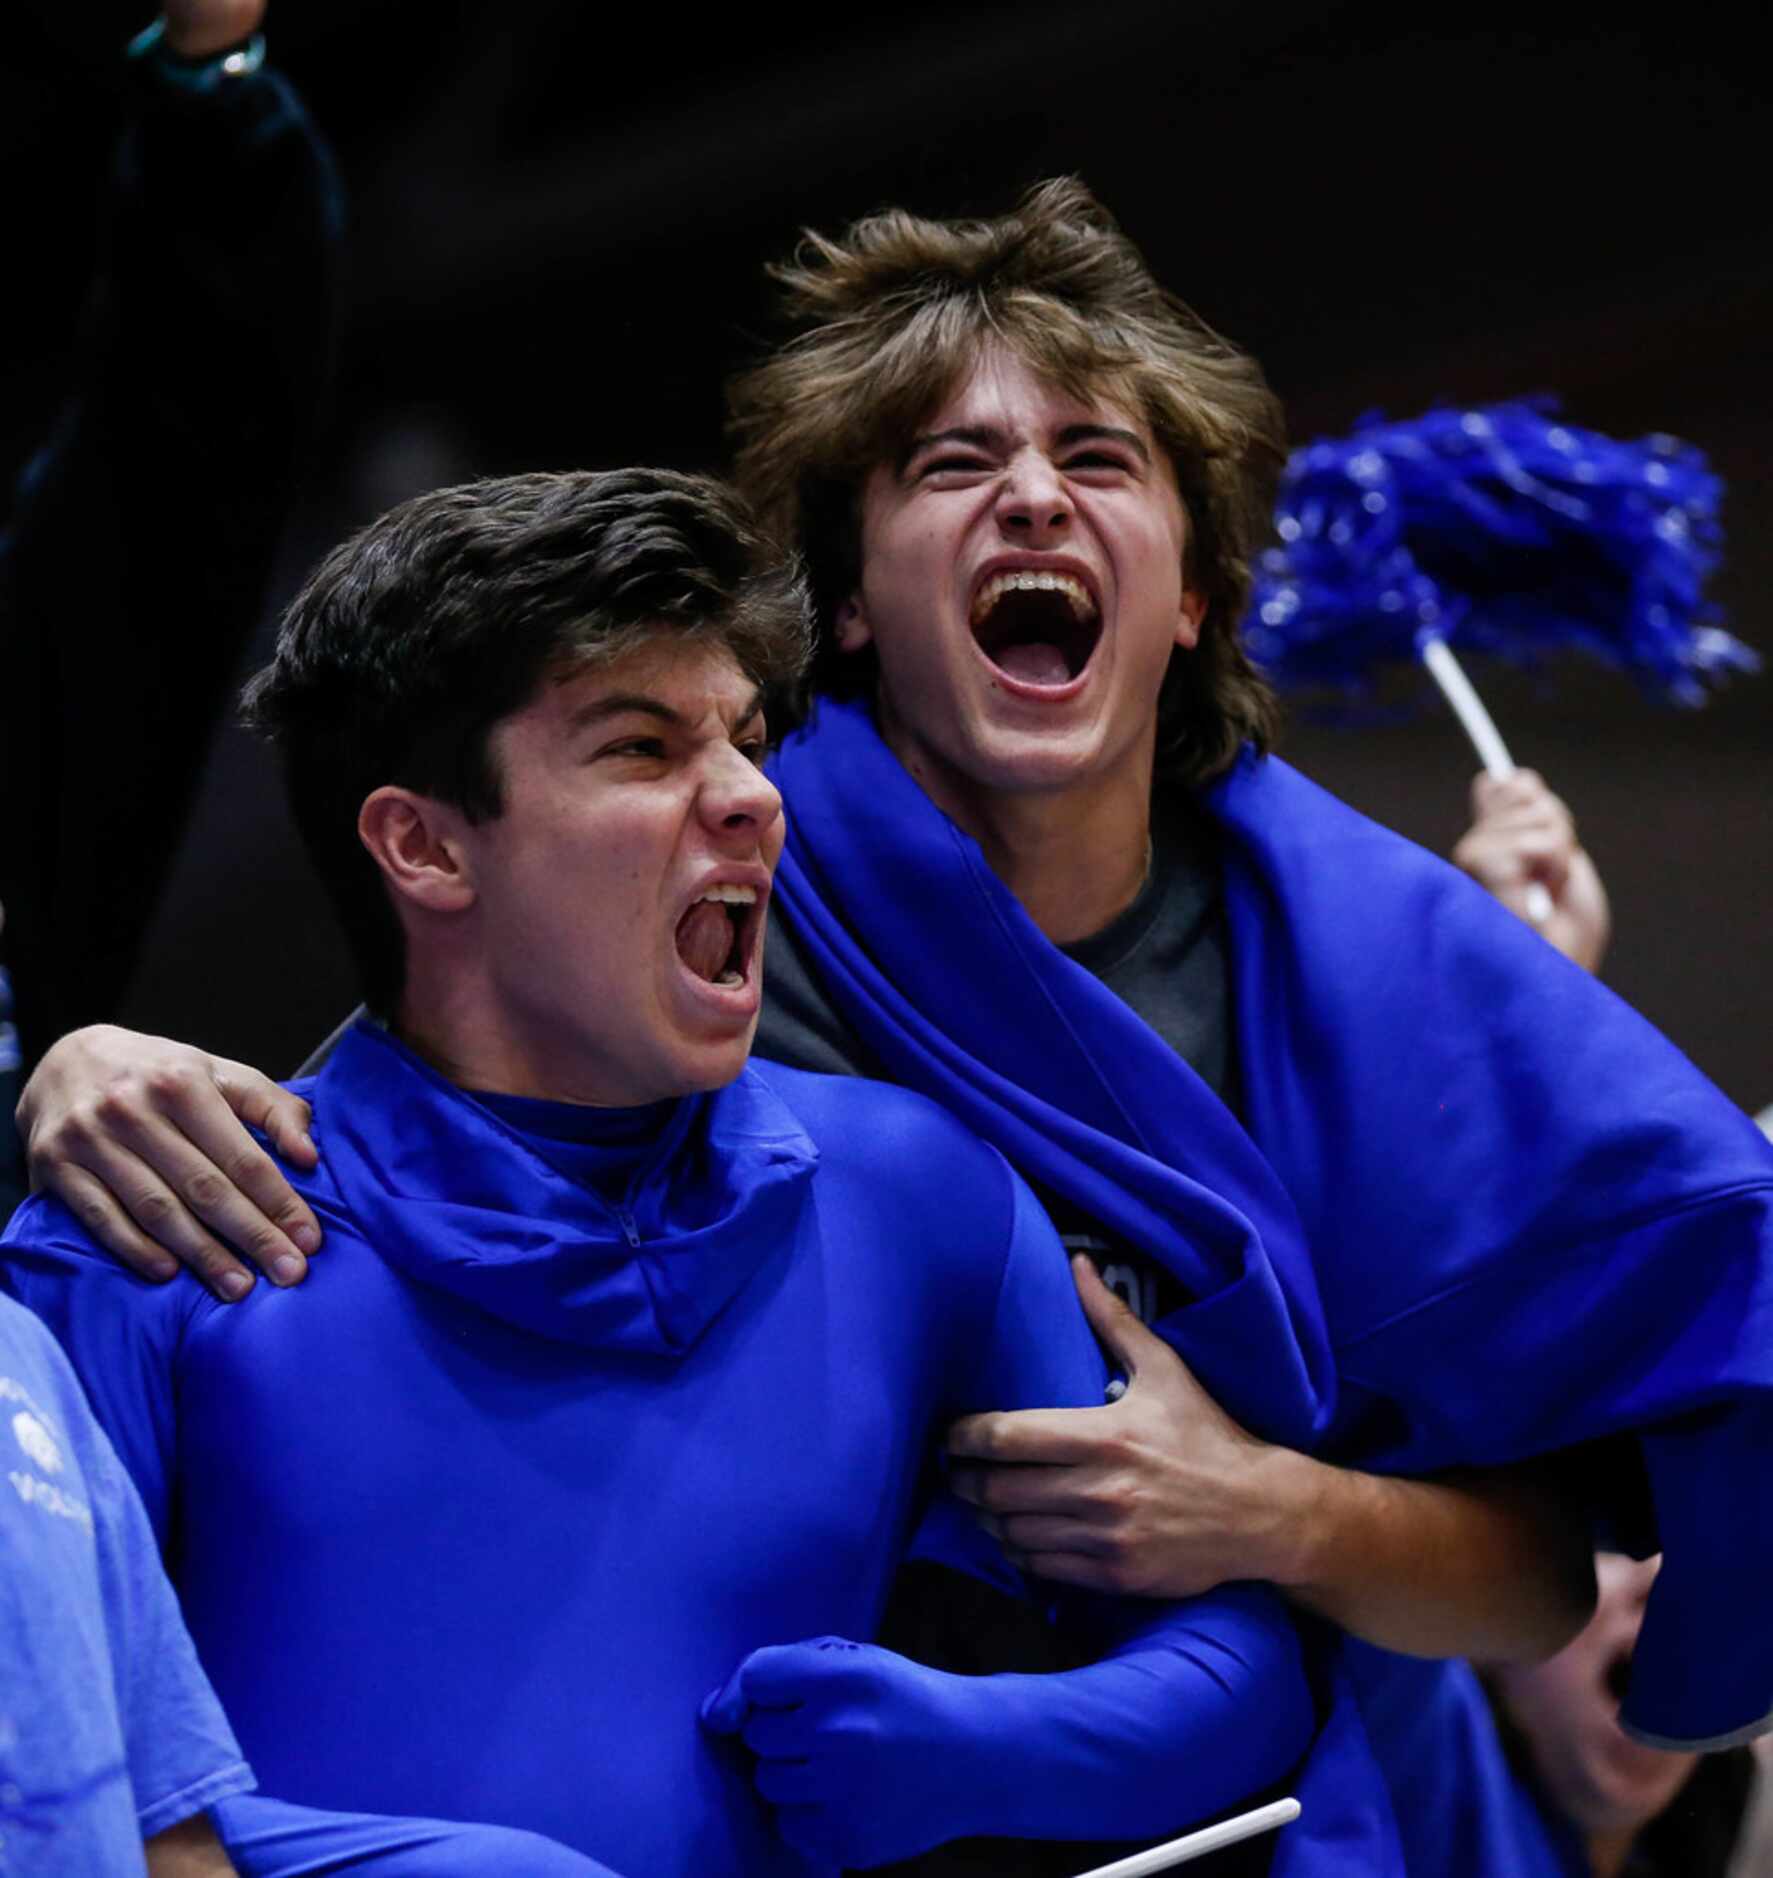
point(1037, 626)
point(717, 936)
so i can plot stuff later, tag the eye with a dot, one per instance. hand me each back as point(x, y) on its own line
point(753, 742)
point(650, 747)
point(953, 463)
point(1087, 460)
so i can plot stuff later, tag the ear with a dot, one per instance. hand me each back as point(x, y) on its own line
point(416, 841)
point(1190, 618)
point(853, 630)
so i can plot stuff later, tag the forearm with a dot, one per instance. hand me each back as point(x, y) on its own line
point(1483, 1564)
point(219, 289)
point(869, 1757)
point(1192, 1713)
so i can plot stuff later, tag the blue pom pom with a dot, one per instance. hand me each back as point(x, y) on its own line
point(1501, 530)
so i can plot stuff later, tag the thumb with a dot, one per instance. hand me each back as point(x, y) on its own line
point(780, 1675)
point(723, 1710)
point(1112, 1319)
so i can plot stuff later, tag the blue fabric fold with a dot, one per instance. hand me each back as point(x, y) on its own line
point(1475, 1209)
point(714, 1198)
point(959, 994)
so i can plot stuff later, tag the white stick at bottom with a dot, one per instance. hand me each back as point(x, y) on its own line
point(1196, 1844)
point(1486, 740)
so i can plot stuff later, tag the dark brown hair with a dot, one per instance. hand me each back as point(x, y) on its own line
point(415, 638)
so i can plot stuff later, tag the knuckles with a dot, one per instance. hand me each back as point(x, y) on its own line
point(982, 1437)
point(78, 1132)
point(247, 1164)
point(171, 1084)
point(990, 1490)
point(91, 1212)
point(206, 1189)
point(155, 1208)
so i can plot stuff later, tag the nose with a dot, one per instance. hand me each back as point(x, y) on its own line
point(1034, 506)
point(737, 799)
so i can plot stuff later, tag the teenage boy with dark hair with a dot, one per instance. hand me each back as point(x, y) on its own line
point(620, 1382)
point(1357, 1139)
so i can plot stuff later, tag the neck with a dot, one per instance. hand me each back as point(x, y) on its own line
point(445, 1016)
point(1608, 1851)
point(1075, 855)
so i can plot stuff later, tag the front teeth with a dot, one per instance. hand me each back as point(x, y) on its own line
point(1026, 580)
point(731, 894)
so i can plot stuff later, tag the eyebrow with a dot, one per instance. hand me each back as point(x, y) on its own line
point(986, 436)
point(1105, 433)
point(643, 704)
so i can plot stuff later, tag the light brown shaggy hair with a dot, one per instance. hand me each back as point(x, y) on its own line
point(890, 318)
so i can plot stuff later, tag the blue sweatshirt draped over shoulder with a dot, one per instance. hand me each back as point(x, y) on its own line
point(1474, 1209)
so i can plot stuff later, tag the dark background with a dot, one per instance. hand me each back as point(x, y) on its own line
point(560, 213)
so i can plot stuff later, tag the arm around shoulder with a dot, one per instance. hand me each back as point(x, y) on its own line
point(188, 1850)
point(1162, 1494)
point(145, 1141)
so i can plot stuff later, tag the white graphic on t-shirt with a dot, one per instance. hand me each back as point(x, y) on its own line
point(37, 1442)
point(31, 1427)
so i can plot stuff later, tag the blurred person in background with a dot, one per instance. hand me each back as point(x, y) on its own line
point(1612, 1807)
point(134, 559)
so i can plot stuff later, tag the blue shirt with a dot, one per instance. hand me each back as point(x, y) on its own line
point(109, 1732)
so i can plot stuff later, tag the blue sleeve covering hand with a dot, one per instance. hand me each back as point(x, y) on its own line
point(868, 1757)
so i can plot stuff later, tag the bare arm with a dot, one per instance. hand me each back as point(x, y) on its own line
point(1162, 1494)
point(1481, 1564)
point(1521, 836)
point(142, 1139)
point(188, 1850)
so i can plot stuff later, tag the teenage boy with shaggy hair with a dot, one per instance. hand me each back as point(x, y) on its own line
point(581, 1473)
point(1361, 1144)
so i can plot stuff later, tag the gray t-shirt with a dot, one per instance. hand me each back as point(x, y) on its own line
point(1165, 956)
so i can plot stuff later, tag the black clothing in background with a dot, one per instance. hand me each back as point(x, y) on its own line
point(134, 562)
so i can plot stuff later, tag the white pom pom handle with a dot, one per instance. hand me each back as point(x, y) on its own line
point(1194, 1845)
point(1486, 740)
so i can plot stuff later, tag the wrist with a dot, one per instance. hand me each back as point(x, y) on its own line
point(193, 67)
point(1310, 1499)
point(982, 1743)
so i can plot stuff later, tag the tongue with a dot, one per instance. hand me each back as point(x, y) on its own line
point(704, 938)
point(1034, 663)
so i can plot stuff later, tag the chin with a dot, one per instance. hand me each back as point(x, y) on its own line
point(714, 1065)
point(1028, 761)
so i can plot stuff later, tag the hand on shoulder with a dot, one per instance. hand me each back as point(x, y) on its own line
point(145, 1141)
